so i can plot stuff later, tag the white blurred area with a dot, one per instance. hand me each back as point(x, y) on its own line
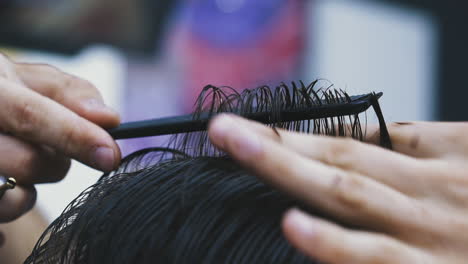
point(364, 45)
point(106, 69)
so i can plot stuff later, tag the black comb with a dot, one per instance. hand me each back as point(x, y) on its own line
point(190, 123)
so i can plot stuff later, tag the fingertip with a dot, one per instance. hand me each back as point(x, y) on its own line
point(95, 148)
point(218, 129)
point(298, 224)
point(105, 158)
point(238, 140)
point(301, 231)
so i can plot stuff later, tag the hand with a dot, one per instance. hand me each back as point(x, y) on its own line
point(46, 118)
point(409, 205)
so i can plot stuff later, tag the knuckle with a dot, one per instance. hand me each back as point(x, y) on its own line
point(87, 89)
point(66, 81)
point(24, 119)
point(421, 212)
point(347, 190)
point(77, 87)
point(85, 84)
point(54, 81)
point(340, 153)
point(62, 83)
point(456, 185)
point(73, 82)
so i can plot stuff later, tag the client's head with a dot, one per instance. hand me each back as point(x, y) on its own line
point(180, 210)
point(187, 203)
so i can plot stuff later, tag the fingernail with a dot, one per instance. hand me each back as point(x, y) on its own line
point(245, 143)
point(300, 222)
point(97, 105)
point(103, 158)
point(235, 138)
point(219, 129)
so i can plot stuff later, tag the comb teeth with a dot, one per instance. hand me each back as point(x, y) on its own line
point(323, 108)
point(353, 105)
point(298, 108)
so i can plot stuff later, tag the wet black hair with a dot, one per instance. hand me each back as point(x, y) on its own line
point(188, 202)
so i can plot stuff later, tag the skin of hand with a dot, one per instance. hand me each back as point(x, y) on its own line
point(48, 117)
point(409, 205)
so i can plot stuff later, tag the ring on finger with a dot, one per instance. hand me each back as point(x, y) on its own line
point(6, 184)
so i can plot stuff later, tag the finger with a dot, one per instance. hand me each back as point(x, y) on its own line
point(40, 120)
point(74, 93)
point(415, 177)
point(427, 139)
point(417, 139)
point(345, 195)
point(406, 174)
point(330, 243)
point(16, 202)
point(30, 164)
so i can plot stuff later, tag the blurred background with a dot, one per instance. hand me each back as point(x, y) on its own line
point(150, 58)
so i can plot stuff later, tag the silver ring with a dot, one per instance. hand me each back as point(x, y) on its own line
point(6, 184)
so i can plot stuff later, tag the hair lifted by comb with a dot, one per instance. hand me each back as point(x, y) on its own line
point(188, 202)
point(214, 100)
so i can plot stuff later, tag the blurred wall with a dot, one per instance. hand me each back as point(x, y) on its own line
point(364, 46)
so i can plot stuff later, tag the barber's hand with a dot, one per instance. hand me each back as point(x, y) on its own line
point(408, 206)
point(46, 118)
